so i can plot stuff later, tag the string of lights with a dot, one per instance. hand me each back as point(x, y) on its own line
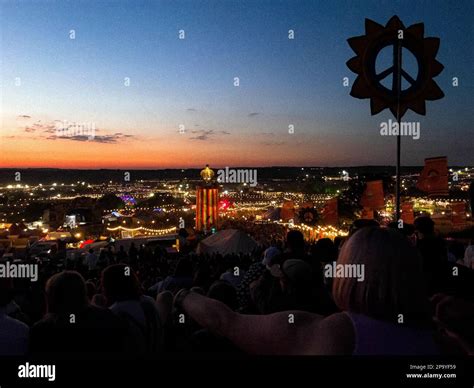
point(144, 229)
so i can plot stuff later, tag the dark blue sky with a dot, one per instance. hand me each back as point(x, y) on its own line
point(190, 82)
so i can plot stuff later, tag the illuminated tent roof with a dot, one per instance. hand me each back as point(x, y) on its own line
point(227, 241)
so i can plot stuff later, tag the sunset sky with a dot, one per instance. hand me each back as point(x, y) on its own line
point(190, 82)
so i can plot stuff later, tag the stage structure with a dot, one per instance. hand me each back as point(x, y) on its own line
point(207, 202)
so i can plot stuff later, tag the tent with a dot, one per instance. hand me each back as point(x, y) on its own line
point(227, 241)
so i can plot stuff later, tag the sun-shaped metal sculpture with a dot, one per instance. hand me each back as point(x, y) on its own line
point(308, 215)
point(368, 84)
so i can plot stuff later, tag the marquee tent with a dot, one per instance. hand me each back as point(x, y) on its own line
point(227, 241)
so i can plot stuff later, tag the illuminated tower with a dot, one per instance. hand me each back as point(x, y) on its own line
point(207, 198)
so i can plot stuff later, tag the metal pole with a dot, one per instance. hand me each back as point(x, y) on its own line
point(397, 190)
point(397, 85)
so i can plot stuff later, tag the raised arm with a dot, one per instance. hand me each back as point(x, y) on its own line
point(289, 332)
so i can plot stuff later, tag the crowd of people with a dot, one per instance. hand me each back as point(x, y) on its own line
point(416, 297)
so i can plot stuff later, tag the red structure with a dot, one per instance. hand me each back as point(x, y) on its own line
point(330, 213)
point(407, 213)
point(458, 215)
point(434, 177)
point(207, 202)
point(373, 196)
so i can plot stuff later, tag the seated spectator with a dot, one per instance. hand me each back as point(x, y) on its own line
point(13, 333)
point(205, 341)
point(182, 278)
point(292, 287)
point(455, 317)
point(324, 250)
point(434, 255)
point(303, 289)
point(266, 292)
point(321, 253)
point(225, 293)
point(456, 251)
point(362, 223)
point(271, 258)
point(71, 324)
point(124, 298)
point(91, 289)
point(407, 230)
point(233, 275)
point(91, 261)
point(202, 277)
point(294, 246)
point(122, 255)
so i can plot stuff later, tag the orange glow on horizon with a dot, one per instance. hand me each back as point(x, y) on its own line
point(67, 154)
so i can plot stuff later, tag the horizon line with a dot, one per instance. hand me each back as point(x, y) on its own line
point(201, 167)
point(212, 167)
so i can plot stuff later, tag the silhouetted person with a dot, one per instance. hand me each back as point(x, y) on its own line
point(203, 340)
point(361, 223)
point(295, 246)
point(13, 333)
point(321, 253)
point(110, 255)
point(71, 324)
point(125, 298)
point(133, 254)
point(434, 254)
point(121, 255)
point(182, 278)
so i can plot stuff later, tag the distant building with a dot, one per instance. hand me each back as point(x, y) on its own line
point(53, 216)
point(78, 217)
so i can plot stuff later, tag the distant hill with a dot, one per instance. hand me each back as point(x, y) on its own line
point(50, 175)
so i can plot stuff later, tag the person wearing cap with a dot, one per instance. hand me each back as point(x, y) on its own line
point(265, 291)
point(272, 258)
point(252, 276)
